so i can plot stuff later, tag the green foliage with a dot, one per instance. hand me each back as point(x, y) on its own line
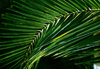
point(32, 29)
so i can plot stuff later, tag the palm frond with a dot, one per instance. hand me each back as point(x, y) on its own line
point(33, 29)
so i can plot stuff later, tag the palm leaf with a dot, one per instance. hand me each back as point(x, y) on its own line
point(31, 30)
